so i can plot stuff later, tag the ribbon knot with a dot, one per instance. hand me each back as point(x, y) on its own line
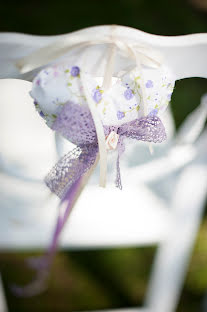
point(112, 140)
point(76, 124)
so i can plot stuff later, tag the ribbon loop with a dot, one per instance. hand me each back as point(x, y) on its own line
point(78, 161)
point(70, 168)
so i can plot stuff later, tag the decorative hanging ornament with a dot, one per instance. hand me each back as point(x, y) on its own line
point(98, 116)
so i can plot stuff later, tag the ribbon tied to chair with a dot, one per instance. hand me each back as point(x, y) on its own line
point(140, 52)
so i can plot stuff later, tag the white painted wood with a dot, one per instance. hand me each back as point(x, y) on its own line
point(185, 55)
point(174, 253)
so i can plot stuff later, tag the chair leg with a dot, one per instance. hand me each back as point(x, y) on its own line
point(173, 255)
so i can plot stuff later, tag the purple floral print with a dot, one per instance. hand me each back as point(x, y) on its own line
point(75, 71)
point(42, 114)
point(120, 115)
point(149, 84)
point(128, 94)
point(97, 96)
point(153, 112)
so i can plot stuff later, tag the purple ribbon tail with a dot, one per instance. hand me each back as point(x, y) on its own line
point(43, 264)
point(121, 149)
point(65, 181)
point(69, 198)
point(118, 174)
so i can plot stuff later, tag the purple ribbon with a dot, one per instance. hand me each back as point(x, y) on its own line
point(43, 264)
point(75, 123)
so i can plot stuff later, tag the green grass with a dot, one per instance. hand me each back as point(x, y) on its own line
point(101, 279)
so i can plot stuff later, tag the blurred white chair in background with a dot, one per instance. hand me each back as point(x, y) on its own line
point(141, 214)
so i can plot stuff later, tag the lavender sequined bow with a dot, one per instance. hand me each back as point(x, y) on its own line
point(75, 123)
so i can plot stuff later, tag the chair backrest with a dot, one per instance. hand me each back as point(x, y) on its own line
point(186, 56)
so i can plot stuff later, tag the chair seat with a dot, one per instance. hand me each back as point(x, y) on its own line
point(101, 218)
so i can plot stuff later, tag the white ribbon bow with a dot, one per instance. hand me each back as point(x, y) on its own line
point(147, 56)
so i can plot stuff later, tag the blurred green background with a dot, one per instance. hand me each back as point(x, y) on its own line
point(118, 277)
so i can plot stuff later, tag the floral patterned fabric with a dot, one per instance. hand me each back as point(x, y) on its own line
point(55, 86)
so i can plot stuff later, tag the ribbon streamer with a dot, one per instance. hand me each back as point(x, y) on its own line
point(43, 264)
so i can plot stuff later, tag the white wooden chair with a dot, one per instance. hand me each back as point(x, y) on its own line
point(169, 218)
